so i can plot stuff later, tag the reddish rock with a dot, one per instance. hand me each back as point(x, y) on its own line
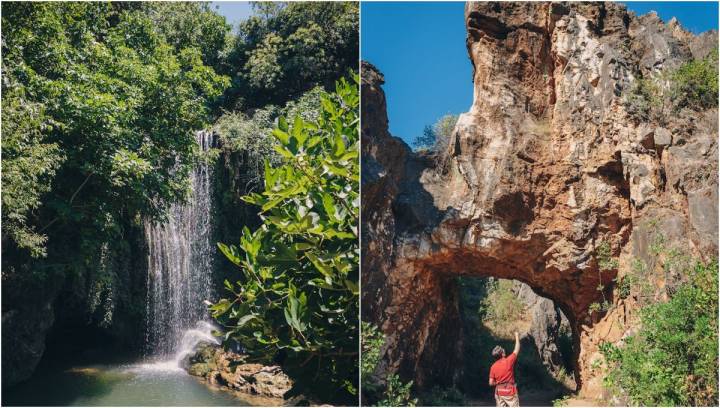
point(546, 166)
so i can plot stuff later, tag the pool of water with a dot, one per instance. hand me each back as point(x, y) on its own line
point(156, 384)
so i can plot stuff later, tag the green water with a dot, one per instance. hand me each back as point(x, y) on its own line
point(117, 385)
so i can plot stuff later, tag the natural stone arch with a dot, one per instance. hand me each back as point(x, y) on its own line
point(547, 166)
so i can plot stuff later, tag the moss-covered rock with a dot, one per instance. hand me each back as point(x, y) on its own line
point(230, 370)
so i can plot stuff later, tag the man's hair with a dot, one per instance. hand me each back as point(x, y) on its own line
point(498, 352)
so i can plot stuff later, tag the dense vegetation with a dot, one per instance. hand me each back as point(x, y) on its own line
point(286, 47)
point(501, 309)
point(695, 83)
point(673, 359)
point(299, 287)
point(100, 105)
point(98, 109)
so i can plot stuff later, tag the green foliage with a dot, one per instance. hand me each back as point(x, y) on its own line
point(603, 306)
point(253, 134)
point(308, 106)
point(267, 9)
point(100, 113)
point(437, 136)
point(605, 260)
point(372, 342)
point(28, 165)
point(561, 402)
point(397, 394)
point(193, 25)
point(624, 286)
point(635, 282)
point(695, 83)
point(673, 359)
point(501, 306)
point(393, 393)
point(288, 48)
point(644, 97)
point(692, 85)
point(298, 292)
point(444, 397)
point(250, 134)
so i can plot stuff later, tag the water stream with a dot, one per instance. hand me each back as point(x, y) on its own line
point(180, 266)
point(180, 257)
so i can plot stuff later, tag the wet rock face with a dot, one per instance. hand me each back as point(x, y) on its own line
point(546, 166)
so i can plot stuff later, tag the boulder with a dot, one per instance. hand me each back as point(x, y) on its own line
point(662, 137)
point(228, 369)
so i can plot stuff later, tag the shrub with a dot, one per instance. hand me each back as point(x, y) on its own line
point(394, 393)
point(604, 257)
point(561, 402)
point(436, 137)
point(644, 97)
point(397, 394)
point(695, 83)
point(298, 293)
point(673, 359)
point(372, 342)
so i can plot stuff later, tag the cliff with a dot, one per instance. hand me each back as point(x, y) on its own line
point(554, 177)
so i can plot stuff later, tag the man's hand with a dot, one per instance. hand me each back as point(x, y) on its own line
point(517, 344)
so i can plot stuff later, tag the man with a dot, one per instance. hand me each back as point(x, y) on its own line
point(502, 376)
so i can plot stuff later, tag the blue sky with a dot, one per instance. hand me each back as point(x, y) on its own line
point(694, 16)
point(420, 48)
point(234, 11)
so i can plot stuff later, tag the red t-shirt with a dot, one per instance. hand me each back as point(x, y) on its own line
point(502, 370)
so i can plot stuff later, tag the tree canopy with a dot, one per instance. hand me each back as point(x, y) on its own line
point(288, 48)
point(99, 105)
point(436, 137)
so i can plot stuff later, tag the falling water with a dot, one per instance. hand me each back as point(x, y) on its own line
point(180, 269)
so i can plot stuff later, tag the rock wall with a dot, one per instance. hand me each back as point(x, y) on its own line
point(546, 167)
point(50, 306)
point(546, 324)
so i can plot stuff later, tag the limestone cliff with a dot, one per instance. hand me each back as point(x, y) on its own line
point(550, 164)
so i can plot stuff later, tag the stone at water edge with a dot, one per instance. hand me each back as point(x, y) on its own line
point(229, 370)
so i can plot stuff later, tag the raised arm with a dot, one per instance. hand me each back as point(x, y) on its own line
point(517, 344)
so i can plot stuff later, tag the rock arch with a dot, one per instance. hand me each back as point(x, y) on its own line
point(546, 167)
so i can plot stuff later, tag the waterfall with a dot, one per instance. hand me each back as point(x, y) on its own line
point(180, 265)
